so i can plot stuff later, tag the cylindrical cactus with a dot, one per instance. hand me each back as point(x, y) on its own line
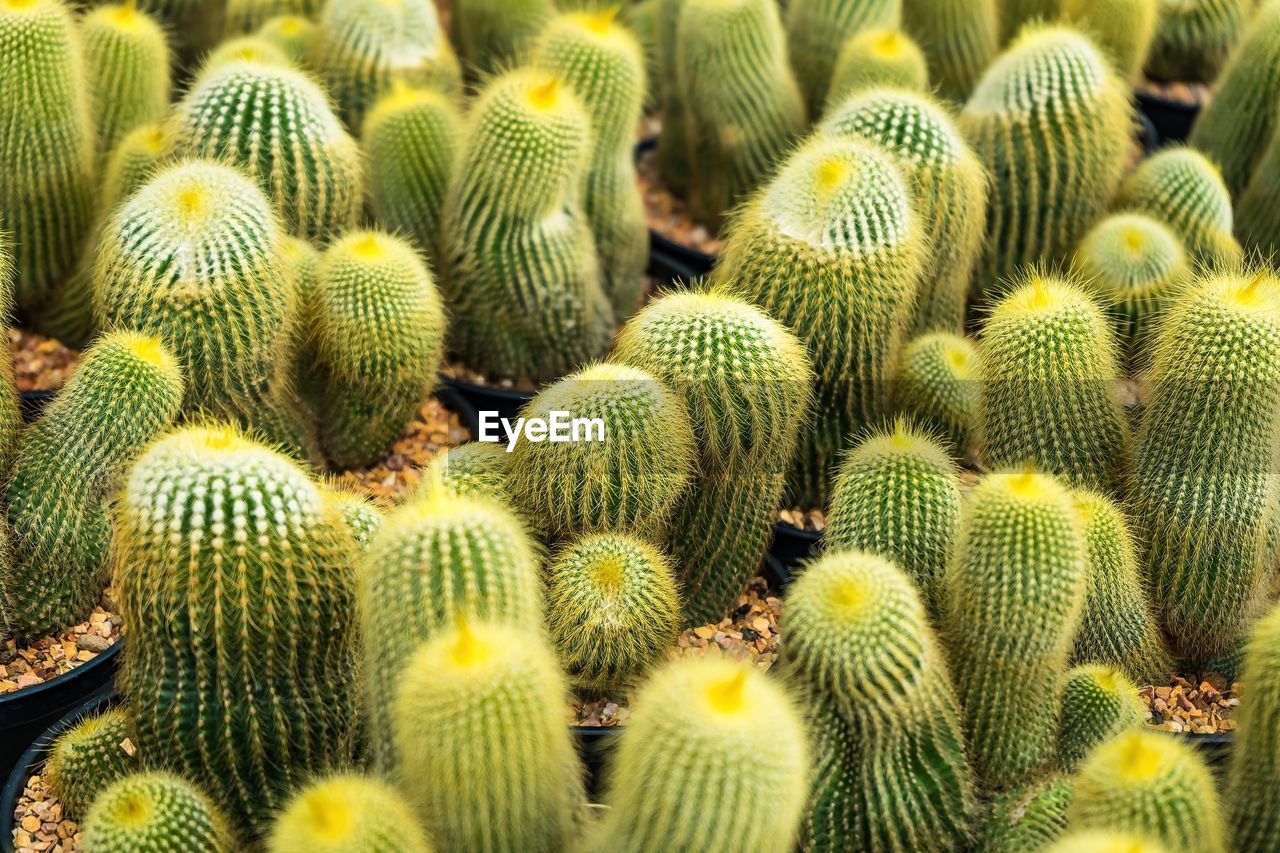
point(126, 393)
point(833, 249)
point(1193, 40)
point(950, 189)
point(1098, 703)
point(1202, 488)
point(1015, 591)
point(891, 772)
point(227, 552)
point(1254, 774)
point(613, 610)
point(1257, 206)
point(874, 58)
point(959, 39)
point(246, 16)
point(483, 751)
point(292, 35)
point(1149, 783)
point(937, 388)
point(1028, 817)
point(492, 34)
point(126, 61)
point(345, 812)
point(133, 161)
point(379, 330)
point(744, 380)
point(1123, 29)
point(1049, 367)
point(1051, 121)
point(817, 30)
point(156, 813)
point(89, 757)
point(673, 143)
point(707, 724)
point(436, 557)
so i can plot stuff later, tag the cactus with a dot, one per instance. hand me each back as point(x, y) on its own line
point(1183, 189)
point(435, 557)
point(1133, 266)
point(832, 248)
point(89, 757)
point(126, 393)
point(292, 35)
point(959, 39)
point(706, 724)
point(743, 108)
point(602, 63)
point(126, 60)
point(743, 379)
point(345, 812)
point(1029, 817)
point(195, 258)
point(1118, 628)
point(874, 58)
point(612, 608)
point(46, 145)
point(363, 45)
point(892, 773)
point(950, 189)
point(1051, 121)
point(1201, 492)
point(156, 813)
point(1147, 782)
point(1014, 594)
point(483, 752)
point(897, 494)
point(1098, 703)
point(362, 516)
point(1123, 29)
point(937, 388)
point(410, 145)
point(525, 284)
point(276, 125)
point(1236, 127)
point(379, 326)
point(245, 16)
point(193, 26)
point(222, 539)
point(1049, 367)
point(1194, 40)
point(1103, 841)
point(491, 34)
point(474, 468)
point(133, 161)
point(673, 142)
point(1259, 221)
point(1255, 762)
point(245, 49)
point(629, 470)
point(817, 32)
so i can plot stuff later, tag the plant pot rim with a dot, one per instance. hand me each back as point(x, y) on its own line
point(690, 262)
point(9, 700)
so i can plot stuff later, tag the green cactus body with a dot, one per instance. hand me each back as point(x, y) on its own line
point(276, 125)
point(1103, 841)
point(410, 145)
point(673, 142)
point(1051, 122)
point(1118, 628)
point(1134, 267)
point(292, 35)
point(46, 145)
point(126, 61)
point(1236, 126)
point(818, 30)
point(345, 812)
point(1257, 206)
point(195, 258)
point(627, 476)
point(1193, 40)
point(246, 16)
point(194, 26)
point(136, 157)
point(474, 468)
point(364, 45)
point(602, 63)
point(1015, 589)
point(1047, 396)
point(156, 813)
point(10, 414)
point(1202, 488)
point(743, 108)
point(379, 329)
point(959, 39)
point(937, 388)
point(833, 249)
point(483, 750)
point(743, 379)
point(858, 637)
point(1147, 782)
point(1183, 189)
point(362, 516)
point(524, 282)
point(1098, 703)
point(613, 610)
point(950, 189)
point(1029, 817)
point(228, 552)
point(435, 557)
point(707, 725)
point(897, 495)
point(88, 757)
point(1123, 29)
point(1255, 764)
point(1018, 16)
point(874, 58)
point(126, 393)
point(245, 49)
point(492, 34)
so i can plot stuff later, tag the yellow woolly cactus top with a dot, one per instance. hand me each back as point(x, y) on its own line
point(1043, 65)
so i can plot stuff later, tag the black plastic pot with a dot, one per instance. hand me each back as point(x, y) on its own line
point(32, 403)
point(1148, 137)
point(1171, 120)
point(791, 545)
point(481, 398)
point(453, 400)
point(1215, 749)
point(684, 262)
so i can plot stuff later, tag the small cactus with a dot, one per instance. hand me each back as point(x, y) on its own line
point(245, 49)
point(1193, 41)
point(1254, 772)
point(1098, 703)
point(1103, 841)
point(136, 158)
point(292, 35)
point(817, 30)
point(1029, 817)
point(877, 58)
point(245, 16)
point(89, 757)
point(126, 62)
point(1122, 29)
point(474, 468)
point(156, 813)
point(937, 388)
point(345, 812)
point(361, 515)
point(959, 39)
point(492, 34)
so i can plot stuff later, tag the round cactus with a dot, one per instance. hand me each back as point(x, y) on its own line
point(1123, 29)
point(1028, 817)
point(126, 60)
point(245, 16)
point(874, 58)
point(292, 35)
point(483, 751)
point(937, 388)
point(1254, 774)
point(361, 515)
point(818, 30)
point(959, 39)
point(492, 34)
point(344, 812)
point(89, 757)
point(134, 160)
point(1103, 841)
point(156, 813)
point(474, 468)
point(706, 725)
point(244, 49)
point(1098, 703)
point(1193, 40)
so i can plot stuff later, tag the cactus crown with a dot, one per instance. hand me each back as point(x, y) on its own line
point(1129, 256)
point(156, 811)
point(244, 49)
point(346, 812)
point(1182, 187)
point(911, 126)
point(132, 162)
point(1044, 65)
point(402, 98)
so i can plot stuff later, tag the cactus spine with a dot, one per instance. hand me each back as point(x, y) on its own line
point(488, 696)
point(1194, 40)
point(156, 813)
point(292, 35)
point(474, 468)
point(89, 757)
point(126, 60)
point(1255, 761)
point(1029, 817)
point(1015, 589)
point(702, 725)
point(344, 812)
point(1098, 703)
point(874, 58)
point(491, 34)
point(937, 388)
point(817, 30)
point(833, 249)
point(959, 39)
point(743, 378)
point(223, 539)
point(1123, 29)
point(1051, 122)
